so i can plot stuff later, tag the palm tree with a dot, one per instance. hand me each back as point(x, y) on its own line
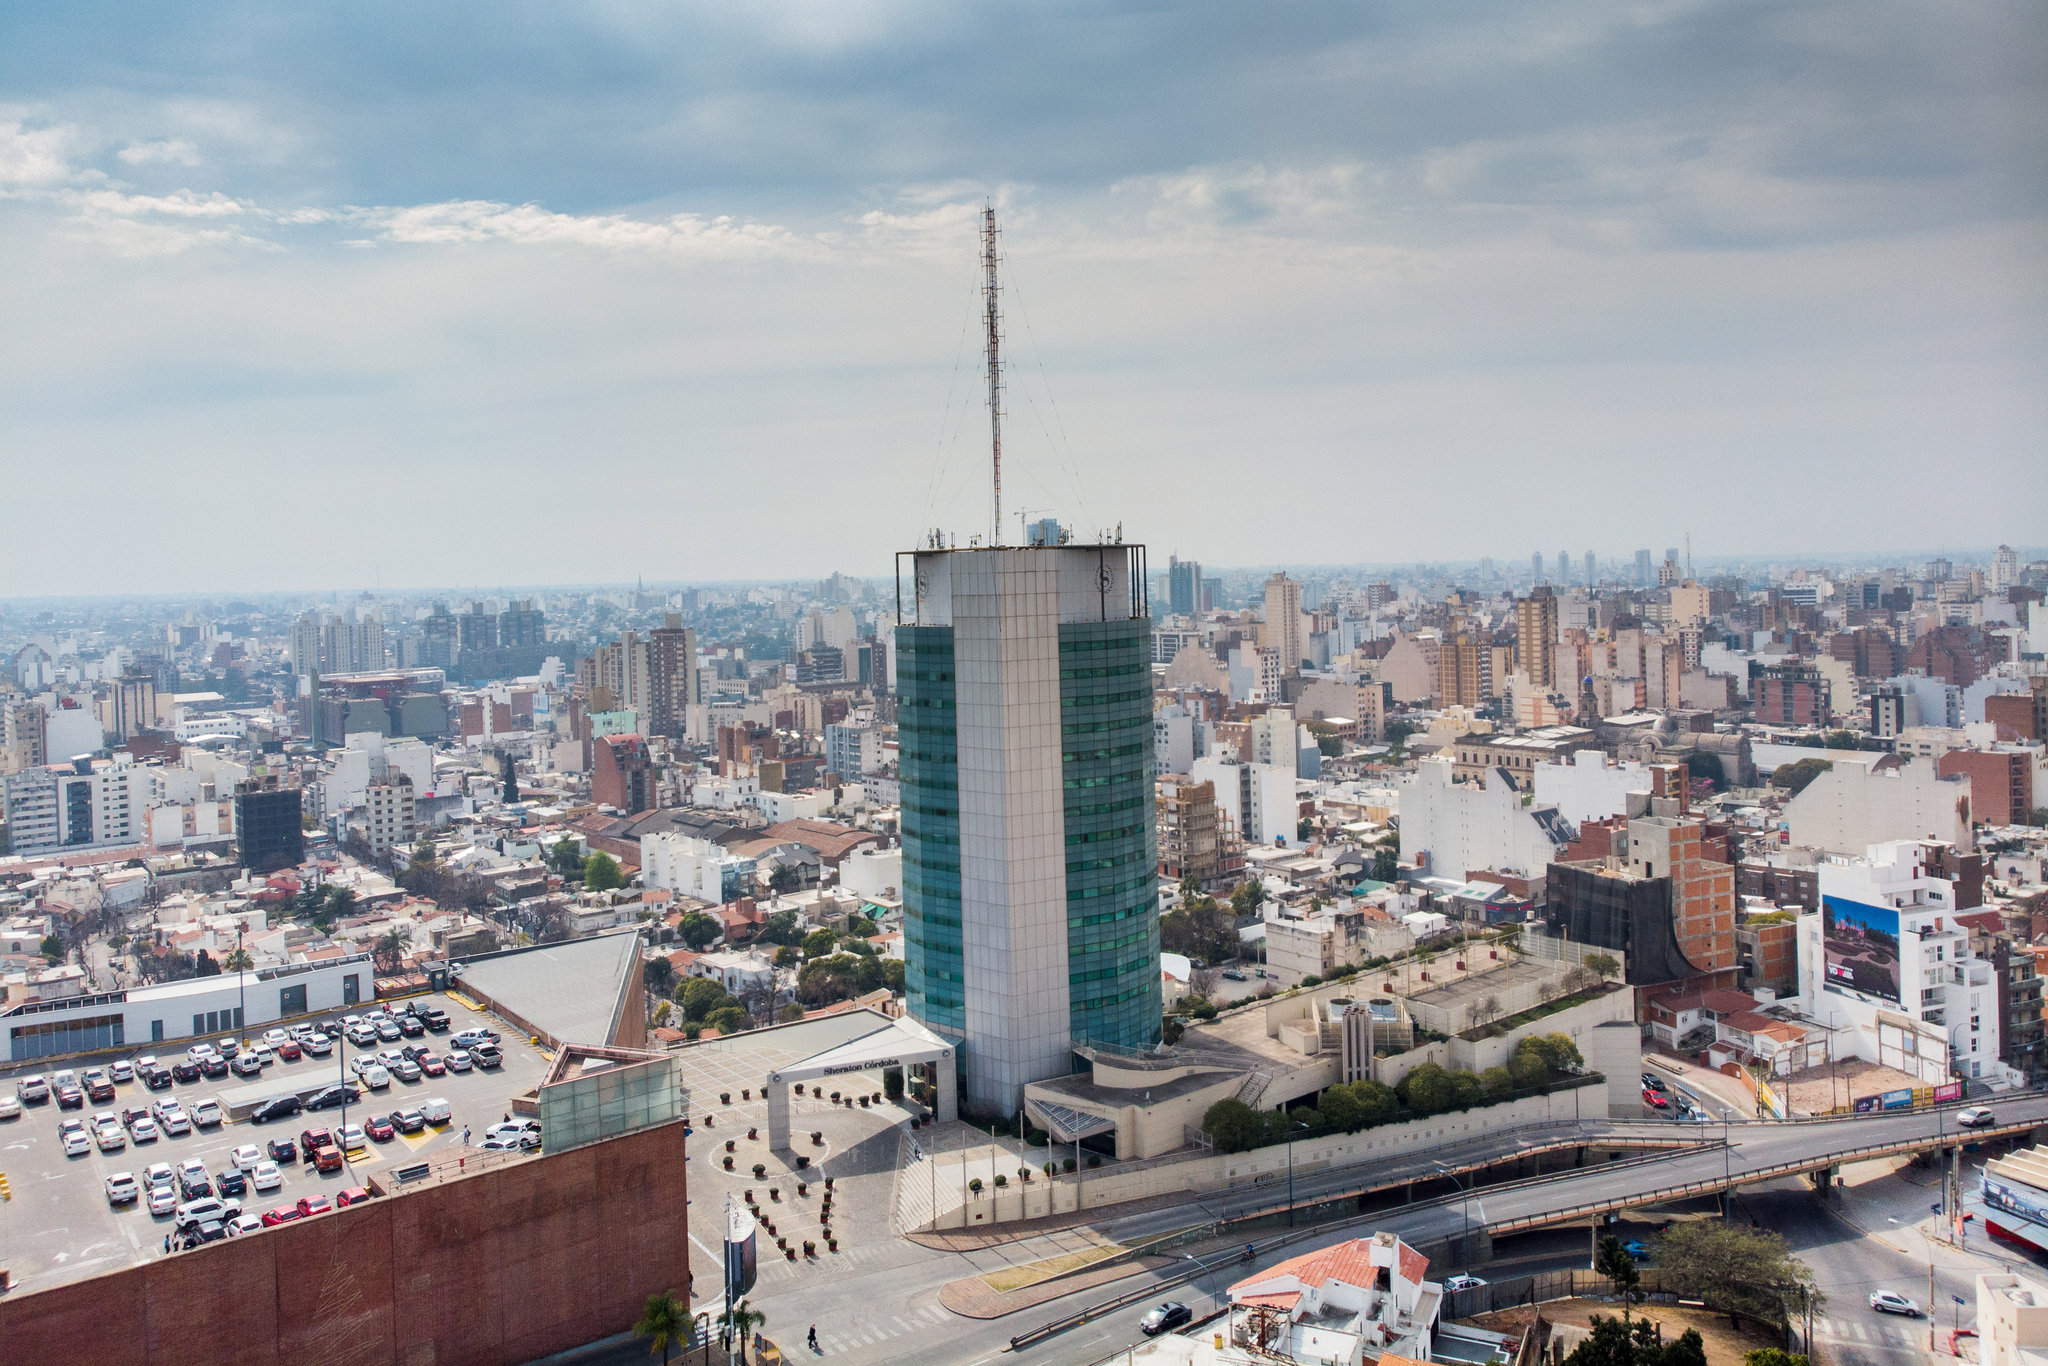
point(238, 961)
point(390, 949)
point(664, 1322)
point(740, 1321)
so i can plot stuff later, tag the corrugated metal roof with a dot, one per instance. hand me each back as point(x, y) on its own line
point(568, 991)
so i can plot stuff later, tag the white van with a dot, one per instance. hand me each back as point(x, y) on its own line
point(375, 1077)
point(436, 1111)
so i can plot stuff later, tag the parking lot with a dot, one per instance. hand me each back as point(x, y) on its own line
point(58, 1225)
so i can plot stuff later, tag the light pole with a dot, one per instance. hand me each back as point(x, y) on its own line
point(1464, 1218)
point(1202, 1269)
point(1727, 1172)
point(1292, 1125)
point(241, 987)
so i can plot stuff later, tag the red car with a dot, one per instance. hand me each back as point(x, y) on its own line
point(354, 1195)
point(379, 1127)
point(1655, 1100)
point(289, 1050)
point(310, 1205)
point(283, 1214)
point(431, 1065)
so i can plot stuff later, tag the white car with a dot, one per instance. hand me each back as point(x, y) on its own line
point(10, 1107)
point(159, 1174)
point(1462, 1282)
point(376, 1077)
point(244, 1223)
point(144, 1130)
point(247, 1157)
point(351, 1136)
point(316, 1045)
point(266, 1177)
point(206, 1113)
point(171, 1115)
point(163, 1199)
point(123, 1189)
point(1976, 1117)
point(76, 1144)
point(1885, 1302)
point(274, 1037)
point(455, 1060)
point(265, 1054)
point(109, 1136)
point(122, 1071)
point(202, 1050)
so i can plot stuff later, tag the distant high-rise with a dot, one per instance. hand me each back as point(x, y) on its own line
point(674, 683)
point(1671, 555)
point(2005, 567)
point(1645, 575)
point(1183, 587)
point(269, 831)
point(1536, 637)
point(1536, 567)
point(1592, 570)
point(1564, 568)
point(1024, 681)
point(522, 626)
point(479, 628)
point(440, 637)
point(1284, 630)
point(305, 646)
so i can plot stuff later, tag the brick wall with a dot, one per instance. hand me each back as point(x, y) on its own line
point(504, 1266)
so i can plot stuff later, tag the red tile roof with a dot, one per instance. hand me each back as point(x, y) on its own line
point(1349, 1262)
point(1414, 1266)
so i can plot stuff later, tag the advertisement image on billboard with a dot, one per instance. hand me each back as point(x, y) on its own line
point(1860, 947)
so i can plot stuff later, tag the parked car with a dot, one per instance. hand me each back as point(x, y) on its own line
point(108, 1135)
point(328, 1097)
point(379, 1128)
point(99, 1087)
point(274, 1037)
point(283, 1214)
point(10, 1107)
point(1233, 975)
point(389, 1032)
point(1655, 1099)
point(457, 1060)
point(351, 1136)
point(1652, 1082)
point(1886, 1302)
point(282, 1151)
point(122, 1071)
point(362, 1036)
point(1976, 1117)
point(227, 1048)
point(171, 1117)
point(123, 1189)
point(1462, 1282)
point(143, 1130)
point(354, 1195)
point(185, 1071)
point(1165, 1318)
point(316, 1046)
point(32, 1090)
point(1637, 1249)
point(405, 1069)
point(193, 1213)
point(231, 1181)
point(277, 1107)
point(206, 1114)
point(289, 1050)
point(326, 1158)
point(156, 1078)
point(70, 1095)
point(159, 1174)
point(243, 1223)
point(246, 1156)
point(73, 1141)
point(408, 1121)
point(309, 1139)
point(310, 1205)
point(213, 1067)
point(376, 1077)
point(266, 1176)
point(430, 1065)
point(410, 1028)
point(248, 1065)
point(436, 1111)
point(163, 1199)
point(193, 1179)
point(486, 1055)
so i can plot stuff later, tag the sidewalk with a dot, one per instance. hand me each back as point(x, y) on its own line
point(971, 1297)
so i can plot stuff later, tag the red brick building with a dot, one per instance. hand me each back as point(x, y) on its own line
point(622, 773)
point(2001, 782)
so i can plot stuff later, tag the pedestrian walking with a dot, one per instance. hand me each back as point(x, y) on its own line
point(465, 1135)
point(814, 1337)
point(167, 1245)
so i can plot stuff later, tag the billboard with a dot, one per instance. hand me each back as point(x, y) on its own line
point(1860, 947)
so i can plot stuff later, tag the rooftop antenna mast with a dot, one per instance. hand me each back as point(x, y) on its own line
point(990, 289)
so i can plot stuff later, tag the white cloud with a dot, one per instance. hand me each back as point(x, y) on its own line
point(171, 151)
point(33, 158)
point(462, 221)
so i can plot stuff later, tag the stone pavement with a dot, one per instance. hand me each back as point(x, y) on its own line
point(972, 1298)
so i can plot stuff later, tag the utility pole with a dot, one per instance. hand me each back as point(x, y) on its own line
point(993, 319)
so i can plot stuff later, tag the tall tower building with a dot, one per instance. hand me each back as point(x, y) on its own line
point(673, 678)
point(1024, 682)
point(1645, 576)
point(1284, 631)
point(1536, 637)
point(1592, 570)
point(305, 646)
point(1536, 567)
point(1183, 587)
point(1564, 568)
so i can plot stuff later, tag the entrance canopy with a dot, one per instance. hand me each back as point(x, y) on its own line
point(898, 1043)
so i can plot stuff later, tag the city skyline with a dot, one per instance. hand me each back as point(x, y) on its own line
point(1703, 267)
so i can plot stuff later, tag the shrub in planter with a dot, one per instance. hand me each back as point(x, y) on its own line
point(1094, 1162)
point(802, 1162)
point(835, 1097)
point(746, 1094)
point(832, 1244)
point(1001, 1180)
point(728, 1161)
point(710, 1122)
point(775, 1194)
point(975, 1185)
point(817, 1138)
point(803, 1188)
point(877, 1097)
point(753, 1133)
point(799, 1088)
point(789, 1254)
point(1051, 1170)
point(1023, 1173)
point(782, 1243)
point(748, 1196)
point(828, 1183)
point(761, 1171)
point(731, 1145)
point(863, 1102)
point(725, 1097)
point(1067, 1164)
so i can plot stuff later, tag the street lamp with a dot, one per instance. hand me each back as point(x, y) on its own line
point(1464, 1218)
point(1292, 1125)
point(1727, 1171)
point(1202, 1269)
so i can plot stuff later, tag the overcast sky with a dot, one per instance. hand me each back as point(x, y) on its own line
point(330, 296)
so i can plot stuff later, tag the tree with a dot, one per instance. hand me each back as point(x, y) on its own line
point(729, 1019)
point(238, 961)
point(601, 873)
point(1199, 929)
point(785, 878)
point(508, 773)
point(1794, 777)
point(819, 943)
point(1843, 739)
point(1236, 1127)
point(1773, 1356)
point(698, 930)
point(658, 975)
point(1605, 964)
point(860, 927)
point(1354, 1105)
point(389, 950)
point(740, 1321)
point(1498, 1081)
point(52, 948)
point(1386, 863)
point(1739, 1270)
point(204, 966)
point(787, 956)
point(665, 1323)
point(781, 928)
point(1704, 767)
point(567, 858)
point(1613, 1261)
point(1613, 1343)
point(792, 1013)
point(1247, 899)
point(701, 996)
